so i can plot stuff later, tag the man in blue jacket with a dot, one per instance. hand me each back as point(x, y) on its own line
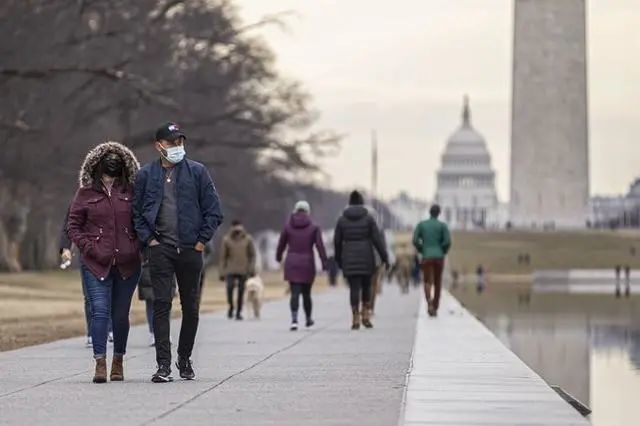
point(176, 213)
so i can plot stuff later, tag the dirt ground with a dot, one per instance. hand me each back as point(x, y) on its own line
point(42, 307)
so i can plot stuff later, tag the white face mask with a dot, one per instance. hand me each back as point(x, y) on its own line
point(174, 154)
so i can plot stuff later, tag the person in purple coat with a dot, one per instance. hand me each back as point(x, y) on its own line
point(299, 235)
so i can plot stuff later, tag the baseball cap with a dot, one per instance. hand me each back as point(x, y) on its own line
point(169, 132)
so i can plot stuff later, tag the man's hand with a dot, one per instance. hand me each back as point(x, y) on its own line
point(66, 255)
point(200, 247)
point(153, 243)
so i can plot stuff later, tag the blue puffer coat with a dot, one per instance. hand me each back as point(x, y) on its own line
point(199, 211)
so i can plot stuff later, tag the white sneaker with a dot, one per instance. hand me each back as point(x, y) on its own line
point(110, 337)
point(89, 343)
point(152, 339)
point(294, 326)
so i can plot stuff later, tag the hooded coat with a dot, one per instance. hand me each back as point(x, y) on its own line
point(101, 224)
point(238, 254)
point(299, 236)
point(355, 238)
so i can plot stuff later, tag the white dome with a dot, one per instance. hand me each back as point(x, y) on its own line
point(466, 180)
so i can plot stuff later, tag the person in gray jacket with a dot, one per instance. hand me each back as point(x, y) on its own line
point(356, 236)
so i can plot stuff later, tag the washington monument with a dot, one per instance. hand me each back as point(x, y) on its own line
point(549, 132)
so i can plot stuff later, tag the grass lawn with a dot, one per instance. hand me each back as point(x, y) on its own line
point(39, 307)
point(498, 251)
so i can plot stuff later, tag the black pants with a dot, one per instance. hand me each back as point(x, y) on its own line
point(241, 280)
point(298, 289)
point(186, 264)
point(360, 286)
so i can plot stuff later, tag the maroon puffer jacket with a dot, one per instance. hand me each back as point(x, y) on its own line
point(101, 226)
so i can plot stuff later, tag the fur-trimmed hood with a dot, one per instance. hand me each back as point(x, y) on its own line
point(94, 156)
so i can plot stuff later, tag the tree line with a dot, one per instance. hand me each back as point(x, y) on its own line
point(75, 73)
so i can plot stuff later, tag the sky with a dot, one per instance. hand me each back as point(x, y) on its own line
point(402, 67)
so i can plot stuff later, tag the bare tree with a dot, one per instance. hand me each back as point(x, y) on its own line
point(78, 72)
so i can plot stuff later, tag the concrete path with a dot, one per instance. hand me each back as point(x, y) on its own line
point(249, 373)
point(463, 375)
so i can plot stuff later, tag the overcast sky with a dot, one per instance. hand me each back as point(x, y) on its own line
point(403, 66)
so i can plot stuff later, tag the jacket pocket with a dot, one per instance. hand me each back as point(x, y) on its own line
point(133, 249)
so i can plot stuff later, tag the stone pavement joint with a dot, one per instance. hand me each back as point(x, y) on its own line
point(249, 372)
point(226, 379)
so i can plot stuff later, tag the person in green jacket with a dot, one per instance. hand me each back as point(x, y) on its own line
point(433, 241)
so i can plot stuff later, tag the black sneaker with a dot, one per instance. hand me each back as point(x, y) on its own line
point(239, 317)
point(186, 369)
point(230, 313)
point(310, 322)
point(163, 375)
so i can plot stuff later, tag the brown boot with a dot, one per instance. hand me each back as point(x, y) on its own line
point(100, 375)
point(366, 316)
point(117, 369)
point(355, 322)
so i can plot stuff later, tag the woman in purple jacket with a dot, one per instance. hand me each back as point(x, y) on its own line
point(300, 234)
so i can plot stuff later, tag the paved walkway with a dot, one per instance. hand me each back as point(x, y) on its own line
point(250, 373)
point(463, 375)
point(259, 373)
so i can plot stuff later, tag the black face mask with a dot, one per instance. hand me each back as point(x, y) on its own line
point(112, 165)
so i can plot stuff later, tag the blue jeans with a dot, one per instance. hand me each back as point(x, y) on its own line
point(87, 307)
point(109, 298)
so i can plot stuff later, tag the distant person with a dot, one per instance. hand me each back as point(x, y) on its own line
point(176, 213)
point(618, 270)
point(207, 260)
point(356, 236)
point(237, 265)
point(416, 270)
point(145, 294)
point(455, 279)
point(101, 226)
point(65, 261)
point(480, 279)
point(627, 281)
point(432, 240)
point(298, 238)
point(333, 270)
point(66, 256)
point(378, 275)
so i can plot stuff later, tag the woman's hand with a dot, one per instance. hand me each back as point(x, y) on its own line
point(66, 255)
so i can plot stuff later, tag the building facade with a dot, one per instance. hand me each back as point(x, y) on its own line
point(466, 188)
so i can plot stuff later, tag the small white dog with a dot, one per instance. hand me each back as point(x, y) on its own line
point(255, 288)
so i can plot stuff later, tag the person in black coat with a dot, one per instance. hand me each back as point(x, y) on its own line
point(356, 236)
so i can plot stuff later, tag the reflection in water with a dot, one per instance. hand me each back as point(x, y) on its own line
point(587, 344)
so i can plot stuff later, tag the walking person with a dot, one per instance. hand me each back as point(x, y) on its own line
point(65, 261)
point(627, 281)
point(298, 238)
point(101, 226)
point(618, 272)
point(66, 255)
point(355, 238)
point(432, 240)
point(237, 265)
point(480, 279)
point(176, 213)
point(378, 275)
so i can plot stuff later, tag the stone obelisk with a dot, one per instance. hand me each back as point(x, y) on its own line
point(549, 130)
